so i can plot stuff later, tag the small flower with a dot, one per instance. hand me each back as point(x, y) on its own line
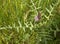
point(37, 18)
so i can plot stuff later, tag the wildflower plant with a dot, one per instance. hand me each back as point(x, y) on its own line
point(29, 21)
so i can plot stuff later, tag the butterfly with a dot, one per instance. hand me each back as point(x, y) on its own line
point(38, 17)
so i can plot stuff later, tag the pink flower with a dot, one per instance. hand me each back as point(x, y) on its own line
point(37, 18)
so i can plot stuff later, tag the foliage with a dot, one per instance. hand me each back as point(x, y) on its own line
point(17, 24)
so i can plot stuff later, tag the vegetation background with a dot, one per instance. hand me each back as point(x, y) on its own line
point(17, 24)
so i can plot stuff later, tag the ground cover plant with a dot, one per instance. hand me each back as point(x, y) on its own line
point(29, 21)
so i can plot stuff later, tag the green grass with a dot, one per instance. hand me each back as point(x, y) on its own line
point(17, 24)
